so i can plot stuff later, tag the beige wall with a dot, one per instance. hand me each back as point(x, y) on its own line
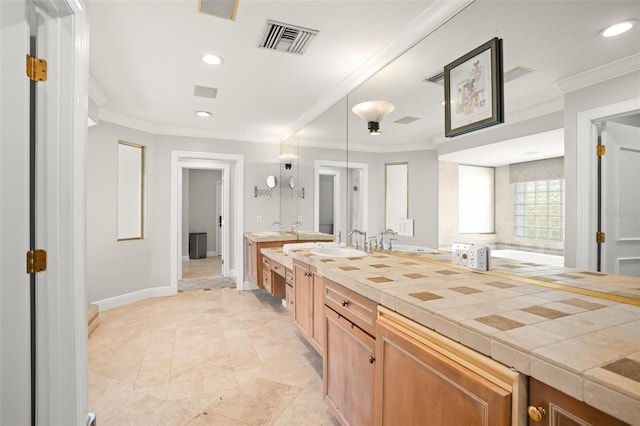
point(503, 236)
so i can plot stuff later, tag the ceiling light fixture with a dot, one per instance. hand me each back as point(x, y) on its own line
point(619, 28)
point(211, 59)
point(203, 113)
point(373, 112)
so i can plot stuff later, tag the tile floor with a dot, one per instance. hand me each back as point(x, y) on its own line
point(202, 268)
point(218, 357)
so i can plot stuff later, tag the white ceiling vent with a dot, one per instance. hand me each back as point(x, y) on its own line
point(406, 120)
point(287, 38)
point(205, 92)
point(512, 74)
point(516, 72)
point(436, 79)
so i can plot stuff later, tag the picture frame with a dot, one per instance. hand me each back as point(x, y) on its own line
point(474, 90)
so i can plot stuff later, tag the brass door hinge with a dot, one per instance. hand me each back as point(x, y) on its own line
point(36, 69)
point(601, 150)
point(600, 237)
point(36, 261)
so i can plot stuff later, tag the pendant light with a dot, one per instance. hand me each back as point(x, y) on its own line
point(373, 112)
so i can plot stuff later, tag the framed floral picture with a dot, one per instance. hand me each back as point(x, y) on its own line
point(473, 87)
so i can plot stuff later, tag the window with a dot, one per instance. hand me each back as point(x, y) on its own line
point(476, 200)
point(539, 209)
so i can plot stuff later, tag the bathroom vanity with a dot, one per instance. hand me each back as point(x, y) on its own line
point(416, 338)
point(254, 242)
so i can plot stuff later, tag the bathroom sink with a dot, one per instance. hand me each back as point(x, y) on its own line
point(266, 233)
point(338, 252)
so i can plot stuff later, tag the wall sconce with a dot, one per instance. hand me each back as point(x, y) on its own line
point(288, 159)
point(373, 112)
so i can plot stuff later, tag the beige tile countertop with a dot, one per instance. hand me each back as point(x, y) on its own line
point(585, 346)
point(277, 255)
point(264, 236)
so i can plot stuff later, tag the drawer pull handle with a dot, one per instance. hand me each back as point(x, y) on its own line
point(345, 303)
point(372, 359)
point(536, 413)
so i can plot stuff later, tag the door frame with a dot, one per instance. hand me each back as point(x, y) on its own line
point(62, 312)
point(322, 171)
point(586, 182)
point(364, 187)
point(208, 160)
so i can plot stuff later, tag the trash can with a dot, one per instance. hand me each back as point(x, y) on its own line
point(197, 245)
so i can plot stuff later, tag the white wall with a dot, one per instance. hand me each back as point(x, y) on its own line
point(609, 92)
point(115, 267)
point(118, 268)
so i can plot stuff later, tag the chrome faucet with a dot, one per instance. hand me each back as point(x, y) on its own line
point(337, 238)
point(364, 238)
point(296, 225)
point(278, 224)
point(381, 238)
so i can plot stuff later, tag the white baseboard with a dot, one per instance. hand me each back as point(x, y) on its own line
point(185, 257)
point(212, 253)
point(248, 285)
point(136, 296)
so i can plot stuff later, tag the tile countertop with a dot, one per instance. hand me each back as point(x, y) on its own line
point(277, 255)
point(584, 346)
point(264, 236)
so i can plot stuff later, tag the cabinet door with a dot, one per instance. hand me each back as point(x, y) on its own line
point(303, 294)
point(251, 266)
point(561, 409)
point(318, 314)
point(416, 385)
point(349, 371)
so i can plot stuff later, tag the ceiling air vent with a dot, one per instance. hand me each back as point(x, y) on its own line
point(406, 120)
point(205, 92)
point(287, 38)
point(436, 79)
point(516, 72)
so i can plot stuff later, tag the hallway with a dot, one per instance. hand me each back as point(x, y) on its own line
point(218, 357)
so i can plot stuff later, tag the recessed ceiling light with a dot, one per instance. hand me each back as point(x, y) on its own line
point(619, 28)
point(203, 113)
point(211, 59)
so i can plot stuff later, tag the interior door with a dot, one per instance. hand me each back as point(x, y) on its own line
point(620, 200)
point(220, 220)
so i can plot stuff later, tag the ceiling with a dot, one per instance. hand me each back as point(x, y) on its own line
point(145, 60)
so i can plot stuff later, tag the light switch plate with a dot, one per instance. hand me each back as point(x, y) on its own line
point(459, 253)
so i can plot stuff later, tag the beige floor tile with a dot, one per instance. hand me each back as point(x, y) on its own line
point(220, 357)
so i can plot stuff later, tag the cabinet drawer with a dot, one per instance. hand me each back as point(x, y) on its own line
point(353, 306)
point(289, 276)
point(266, 280)
point(266, 262)
point(278, 268)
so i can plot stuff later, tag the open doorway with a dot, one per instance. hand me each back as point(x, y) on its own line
point(226, 192)
point(202, 224)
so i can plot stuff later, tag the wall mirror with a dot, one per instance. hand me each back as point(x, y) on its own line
point(396, 198)
point(272, 181)
point(130, 191)
point(289, 168)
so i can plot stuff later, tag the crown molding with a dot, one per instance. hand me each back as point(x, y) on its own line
point(599, 74)
point(96, 92)
point(155, 129)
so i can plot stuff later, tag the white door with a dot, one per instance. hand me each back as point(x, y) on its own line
point(56, 32)
point(220, 219)
point(621, 199)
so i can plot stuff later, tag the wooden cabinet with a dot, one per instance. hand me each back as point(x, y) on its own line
point(250, 260)
point(349, 361)
point(289, 289)
point(273, 277)
point(303, 299)
point(308, 305)
point(254, 261)
point(555, 408)
point(421, 379)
